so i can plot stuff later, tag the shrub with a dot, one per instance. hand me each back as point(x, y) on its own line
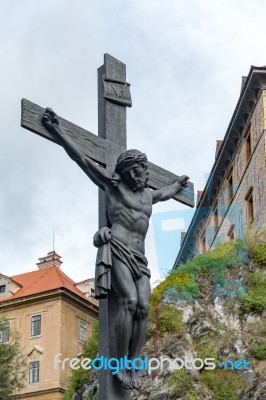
point(182, 292)
point(206, 348)
point(182, 283)
point(256, 245)
point(259, 253)
point(229, 254)
point(13, 364)
point(149, 331)
point(259, 351)
point(191, 396)
point(255, 299)
point(169, 319)
point(263, 327)
point(180, 383)
point(224, 384)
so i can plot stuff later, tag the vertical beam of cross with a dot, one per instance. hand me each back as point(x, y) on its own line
point(113, 97)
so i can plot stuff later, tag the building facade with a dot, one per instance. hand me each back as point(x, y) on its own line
point(54, 317)
point(235, 194)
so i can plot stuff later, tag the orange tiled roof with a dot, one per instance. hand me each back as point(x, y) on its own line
point(43, 280)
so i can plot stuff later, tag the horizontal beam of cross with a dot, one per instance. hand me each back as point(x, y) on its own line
point(96, 148)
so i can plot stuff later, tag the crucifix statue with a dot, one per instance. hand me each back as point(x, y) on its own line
point(128, 187)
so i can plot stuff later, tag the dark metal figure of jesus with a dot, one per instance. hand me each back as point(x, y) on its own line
point(121, 262)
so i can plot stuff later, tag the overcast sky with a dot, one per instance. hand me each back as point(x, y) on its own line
point(184, 58)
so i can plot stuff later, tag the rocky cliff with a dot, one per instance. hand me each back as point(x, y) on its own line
point(221, 300)
point(214, 307)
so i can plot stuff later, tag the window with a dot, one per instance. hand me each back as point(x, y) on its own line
point(4, 332)
point(203, 242)
point(248, 147)
point(82, 331)
point(34, 369)
point(231, 233)
point(215, 217)
point(35, 325)
point(230, 186)
point(250, 205)
point(2, 288)
point(92, 292)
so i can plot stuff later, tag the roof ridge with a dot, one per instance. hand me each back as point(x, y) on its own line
point(62, 275)
point(43, 280)
point(59, 274)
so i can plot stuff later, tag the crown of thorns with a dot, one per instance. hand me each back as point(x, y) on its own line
point(128, 158)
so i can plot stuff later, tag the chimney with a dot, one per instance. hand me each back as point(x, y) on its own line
point(218, 146)
point(51, 260)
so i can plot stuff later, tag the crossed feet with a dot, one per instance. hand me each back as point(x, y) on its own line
point(129, 379)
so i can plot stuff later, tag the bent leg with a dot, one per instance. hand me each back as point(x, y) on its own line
point(124, 287)
point(140, 320)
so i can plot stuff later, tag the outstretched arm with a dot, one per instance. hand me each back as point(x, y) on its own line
point(167, 192)
point(94, 171)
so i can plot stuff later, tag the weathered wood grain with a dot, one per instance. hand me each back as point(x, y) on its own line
point(159, 177)
point(98, 148)
point(93, 146)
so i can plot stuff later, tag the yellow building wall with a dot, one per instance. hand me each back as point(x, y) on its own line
point(60, 318)
point(71, 345)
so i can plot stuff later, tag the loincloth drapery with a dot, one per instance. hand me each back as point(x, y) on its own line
point(135, 261)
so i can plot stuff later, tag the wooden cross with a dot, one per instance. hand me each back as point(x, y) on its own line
point(113, 98)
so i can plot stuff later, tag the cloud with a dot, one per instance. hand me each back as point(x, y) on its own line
point(184, 60)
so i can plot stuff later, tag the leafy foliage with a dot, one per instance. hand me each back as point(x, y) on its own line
point(256, 245)
point(192, 396)
point(180, 383)
point(12, 364)
point(255, 299)
point(182, 284)
point(259, 253)
point(259, 351)
point(150, 330)
point(263, 327)
point(224, 384)
point(168, 319)
point(176, 287)
point(206, 348)
point(229, 254)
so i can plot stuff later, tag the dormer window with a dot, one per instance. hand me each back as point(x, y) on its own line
point(8, 286)
point(2, 288)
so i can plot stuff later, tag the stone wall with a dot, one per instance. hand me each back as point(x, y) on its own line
point(246, 174)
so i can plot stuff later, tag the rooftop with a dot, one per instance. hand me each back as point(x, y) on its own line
point(48, 277)
point(252, 85)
